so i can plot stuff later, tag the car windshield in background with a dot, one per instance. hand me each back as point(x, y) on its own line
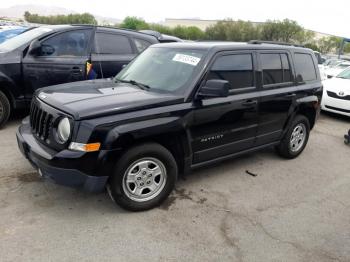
point(22, 39)
point(345, 74)
point(343, 66)
point(164, 69)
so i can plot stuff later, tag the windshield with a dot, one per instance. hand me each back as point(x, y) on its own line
point(7, 34)
point(162, 68)
point(343, 66)
point(345, 74)
point(22, 39)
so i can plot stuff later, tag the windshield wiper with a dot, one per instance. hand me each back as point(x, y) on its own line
point(135, 83)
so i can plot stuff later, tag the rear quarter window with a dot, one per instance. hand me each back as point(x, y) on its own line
point(141, 44)
point(304, 67)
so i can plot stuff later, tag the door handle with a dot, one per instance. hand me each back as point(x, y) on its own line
point(291, 95)
point(76, 70)
point(249, 102)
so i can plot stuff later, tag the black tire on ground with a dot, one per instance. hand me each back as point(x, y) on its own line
point(284, 149)
point(5, 109)
point(137, 153)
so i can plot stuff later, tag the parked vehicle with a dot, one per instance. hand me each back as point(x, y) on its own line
point(333, 71)
point(336, 94)
point(6, 34)
point(162, 38)
point(50, 55)
point(321, 66)
point(175, 107)
point(332, 62)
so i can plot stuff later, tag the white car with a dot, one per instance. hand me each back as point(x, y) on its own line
point(336, 94)
point(333, 71)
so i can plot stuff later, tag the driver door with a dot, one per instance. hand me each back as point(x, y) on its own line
point(227, 125)
point(61, 59)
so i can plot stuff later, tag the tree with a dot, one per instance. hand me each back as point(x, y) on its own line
point(329, 44)
point(230, 30)
point(84, 18)
point(285, 31)
point(134, 23)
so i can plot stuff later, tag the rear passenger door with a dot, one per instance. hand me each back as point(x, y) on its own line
point(278, 92)
point(111, 51)
point(227, 125)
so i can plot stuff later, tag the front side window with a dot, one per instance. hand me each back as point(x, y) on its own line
point(237, 69)
point(106, 43)
point(165, 69)
point(305, 68)
point(67, 44)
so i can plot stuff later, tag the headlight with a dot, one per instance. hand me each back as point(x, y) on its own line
point(63, 130)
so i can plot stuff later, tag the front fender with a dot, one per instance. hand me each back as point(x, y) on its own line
point(121, 135)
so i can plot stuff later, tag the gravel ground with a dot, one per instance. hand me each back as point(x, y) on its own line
point(293, 210)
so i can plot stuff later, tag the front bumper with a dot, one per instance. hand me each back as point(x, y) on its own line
point(335, 105)
point(63, 167)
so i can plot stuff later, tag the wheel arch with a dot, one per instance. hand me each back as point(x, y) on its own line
point(169, 132)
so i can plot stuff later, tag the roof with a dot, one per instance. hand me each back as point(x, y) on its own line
point(221, 45)
point(66, 26)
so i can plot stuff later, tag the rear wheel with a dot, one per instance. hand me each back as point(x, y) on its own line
point(5, 109)
point(144, 177)
point(296, 138)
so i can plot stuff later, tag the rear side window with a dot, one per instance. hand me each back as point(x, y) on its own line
point(275, 68)
point(237, 69)
point(112, 44)
point(272, 69)
point(141, 44)
point(305, 68)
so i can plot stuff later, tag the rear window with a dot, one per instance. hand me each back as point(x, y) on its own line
point(305, 68)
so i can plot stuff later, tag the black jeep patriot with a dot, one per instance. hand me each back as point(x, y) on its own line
point(174, 108)
point(56, 54)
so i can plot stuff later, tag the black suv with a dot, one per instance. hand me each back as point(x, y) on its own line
point(50, 55)
point(174, 108)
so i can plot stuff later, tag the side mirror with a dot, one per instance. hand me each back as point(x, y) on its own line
point(47, 50)
point(215, 88)
point(34, 47)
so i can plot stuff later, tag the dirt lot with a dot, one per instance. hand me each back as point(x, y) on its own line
point(296, 210)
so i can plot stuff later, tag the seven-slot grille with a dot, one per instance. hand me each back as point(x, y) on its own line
point(335, 95)
point(40, 121)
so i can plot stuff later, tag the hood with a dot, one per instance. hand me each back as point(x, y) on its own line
point(337, 85)
point(95, 98)
point(13, 57)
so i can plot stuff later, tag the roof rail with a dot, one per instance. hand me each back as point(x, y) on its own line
point(255, 42)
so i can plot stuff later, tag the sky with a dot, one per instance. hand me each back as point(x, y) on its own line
point(330, 17)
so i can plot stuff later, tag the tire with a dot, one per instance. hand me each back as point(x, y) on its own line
point(289, 149)
point(144, 164)
point(5, 109)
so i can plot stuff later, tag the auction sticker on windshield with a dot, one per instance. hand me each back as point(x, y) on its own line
point(187, 59)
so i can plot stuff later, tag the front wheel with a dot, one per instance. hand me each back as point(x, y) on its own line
point(296, 138)
point(144, 177)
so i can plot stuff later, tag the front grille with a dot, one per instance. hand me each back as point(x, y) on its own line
point(335, 95)
point(40, 121)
